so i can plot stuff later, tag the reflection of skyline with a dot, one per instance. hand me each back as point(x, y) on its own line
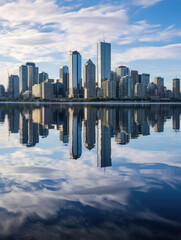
point(120, 123)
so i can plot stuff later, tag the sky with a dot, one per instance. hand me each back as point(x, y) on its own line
point(145, 34)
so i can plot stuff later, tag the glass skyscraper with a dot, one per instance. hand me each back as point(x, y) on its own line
point(75, 74)
point(103, 62)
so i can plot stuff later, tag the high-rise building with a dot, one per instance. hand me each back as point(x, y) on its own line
point(43, 77)
point(2, 91)
point(23, 78)
point(126, 87)
point(75, 75)
point(139, 91)
point(121, 71)
point(135, 76)
point(103, 62)
point(13, 86)
point(89, 79)
point(64, 79)
point(32, 75)
point(176, 88)
point(144, 78)
point(159, 81)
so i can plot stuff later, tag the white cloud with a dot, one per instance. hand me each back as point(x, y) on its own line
point(172, 51)
point(146, 3)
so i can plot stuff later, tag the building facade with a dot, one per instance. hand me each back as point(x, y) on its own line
point(75, 75)
point(89, 79)
point(103, 62)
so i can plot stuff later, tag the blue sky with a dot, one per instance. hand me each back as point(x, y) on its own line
point(145, 34)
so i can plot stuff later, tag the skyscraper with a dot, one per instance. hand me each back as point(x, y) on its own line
point(13, 86)
point(122, 71)
point(64, 79)
point(75, 75)
point(103, 62)
point(89, 79)
point(43, 77)
point(32, 75)
point(23, 78)
point(159, 81)
point(176, 88)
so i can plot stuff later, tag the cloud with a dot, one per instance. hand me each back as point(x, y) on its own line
point(146, 3)
point(172, 51)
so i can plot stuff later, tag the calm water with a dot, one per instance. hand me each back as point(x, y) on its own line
point(75, 172)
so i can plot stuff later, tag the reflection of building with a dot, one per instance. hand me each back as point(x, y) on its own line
point(176, 119)
point(75, 133)
point(89, 127)
point(103, 146)
point(103, 62)
point(23, 129)
point(13, 120)
point(122, 138)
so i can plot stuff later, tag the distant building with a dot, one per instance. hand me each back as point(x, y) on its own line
point(144, 78)
point(135, 76)
point(176, 88)
point(32, 75)
point(64, 79)
point(13, 86)
point(89, 79)
point(47, 91)
point(103, 62)
point(139, 90)
point(122, 71)
point(75, 75)
point(126, 87)
point(159, 81)
point(43, 77)
point(109, 89)
point(113, 76)
point(23, 78)
point(2, 91)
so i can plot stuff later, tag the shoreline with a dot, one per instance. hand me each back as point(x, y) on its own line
point(92, 103)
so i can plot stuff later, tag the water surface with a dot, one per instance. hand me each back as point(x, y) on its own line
point(87, 172)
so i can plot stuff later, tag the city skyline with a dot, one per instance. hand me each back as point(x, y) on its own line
point(140, 39)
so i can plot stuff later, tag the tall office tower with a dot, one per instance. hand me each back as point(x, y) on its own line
point(103, 62)
point(2, 91)
point(89, 127)
point(23, 78)
point(159, 81)
point(121, 71)
point(64, 79)
point(75, 133)
point(126, 87)
point(89, 79)
point(32, 75)
point(144, 78)
point(176, 88)
point(103, 146)
point(75, 75)
point(139, 91)
point(109, 89)
point(43, 77)
point(113, 76)
point(13, 86)
point(152, 89)
point(135, 76)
